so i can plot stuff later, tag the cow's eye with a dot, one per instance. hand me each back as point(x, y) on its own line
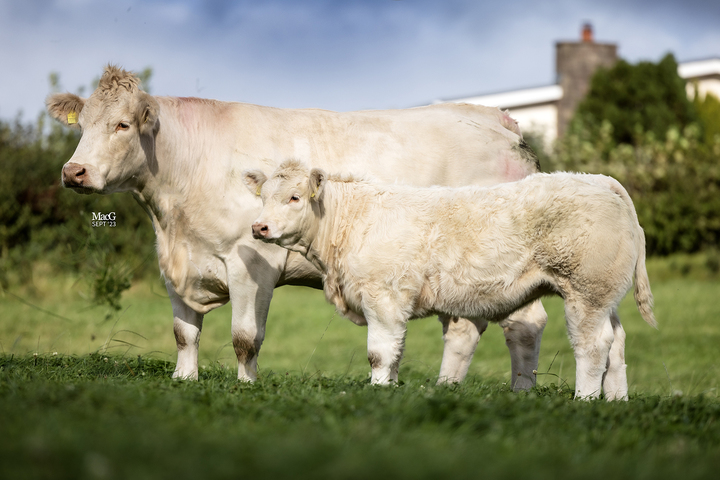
point(122, 126)
point(294, 199)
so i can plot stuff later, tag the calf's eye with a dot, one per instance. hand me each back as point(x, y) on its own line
point(294, 199)
point(122, 126)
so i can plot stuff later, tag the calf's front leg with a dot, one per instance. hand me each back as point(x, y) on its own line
point(386, 342)
point(461, 337)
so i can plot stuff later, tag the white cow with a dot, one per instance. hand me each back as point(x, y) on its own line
point(182, 158)
point(393, 253)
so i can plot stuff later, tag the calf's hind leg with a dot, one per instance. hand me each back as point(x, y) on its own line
point(615, 379)
point(591, 336)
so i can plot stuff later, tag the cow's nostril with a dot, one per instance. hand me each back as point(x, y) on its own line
point(74, 175)
point(260, 230)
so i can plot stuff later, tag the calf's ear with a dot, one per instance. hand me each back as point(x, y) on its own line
point(65, 107)
point(147, 113)
point(317, 182)
point(254, 180)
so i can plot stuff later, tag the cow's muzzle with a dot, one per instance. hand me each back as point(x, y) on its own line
point(261, 231)
point(75, 176)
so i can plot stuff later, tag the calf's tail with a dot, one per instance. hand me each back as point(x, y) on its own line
point(643, 294)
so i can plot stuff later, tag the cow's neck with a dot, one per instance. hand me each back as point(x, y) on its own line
point(175, 189)
point(175, 165)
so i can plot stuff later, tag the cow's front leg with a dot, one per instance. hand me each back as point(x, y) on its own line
point(386, 342)
point(461, 337)
point(251, 289)
point(187, 325)
point(523, 331)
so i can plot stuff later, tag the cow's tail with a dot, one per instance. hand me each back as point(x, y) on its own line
point(643, 294)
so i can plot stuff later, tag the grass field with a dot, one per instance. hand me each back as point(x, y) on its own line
point(84, 395)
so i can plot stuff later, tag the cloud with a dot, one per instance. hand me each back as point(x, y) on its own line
point(323, 53)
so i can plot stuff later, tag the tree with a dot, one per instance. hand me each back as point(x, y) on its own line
point(645, 97)
point(708, 109)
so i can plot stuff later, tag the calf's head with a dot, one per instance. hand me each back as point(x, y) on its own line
point(118, 122)
point(291, 204)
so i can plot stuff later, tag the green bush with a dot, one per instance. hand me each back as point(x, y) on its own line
point(645, 97)
point(708, 108)
point(638, 125)
point(40, 221)
point(673, 180)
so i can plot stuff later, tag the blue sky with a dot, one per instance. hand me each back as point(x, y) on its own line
point(339, 55)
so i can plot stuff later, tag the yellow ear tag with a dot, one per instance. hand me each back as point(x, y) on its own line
point(72, 118)
point(313, 195)
point(257, 192)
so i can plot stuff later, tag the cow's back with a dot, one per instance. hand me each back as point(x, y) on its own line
point(446, 144)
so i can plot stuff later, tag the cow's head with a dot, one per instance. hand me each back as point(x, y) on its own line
point(118, 122)
point(291, 204)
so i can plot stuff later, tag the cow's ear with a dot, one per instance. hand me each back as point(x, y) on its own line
point(147, 113)
point(254, 180)
point(317, 182)
point(65, 107)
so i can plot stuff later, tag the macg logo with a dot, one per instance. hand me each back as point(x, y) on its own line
point(103, 216)
point(100, 219)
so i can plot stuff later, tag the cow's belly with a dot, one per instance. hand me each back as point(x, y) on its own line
point(206, 292)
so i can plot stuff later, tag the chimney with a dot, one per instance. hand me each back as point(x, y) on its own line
point(576, 62)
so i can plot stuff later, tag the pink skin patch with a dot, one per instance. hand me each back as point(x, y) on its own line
point(512, 170)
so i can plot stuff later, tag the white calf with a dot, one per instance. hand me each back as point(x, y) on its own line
point(393, 253)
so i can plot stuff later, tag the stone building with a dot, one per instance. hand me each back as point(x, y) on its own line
point(547, 110)
point(576, 62)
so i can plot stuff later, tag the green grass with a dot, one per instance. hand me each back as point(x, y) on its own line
point(87, 396)
point(305, 335)
point(94, 416)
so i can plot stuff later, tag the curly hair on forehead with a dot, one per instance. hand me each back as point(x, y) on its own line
point(114, 78)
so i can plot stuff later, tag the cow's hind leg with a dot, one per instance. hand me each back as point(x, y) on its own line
point(615, 384)
point(461, 337)
point(591, 336)
point(523, 331)
point(187, 325)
